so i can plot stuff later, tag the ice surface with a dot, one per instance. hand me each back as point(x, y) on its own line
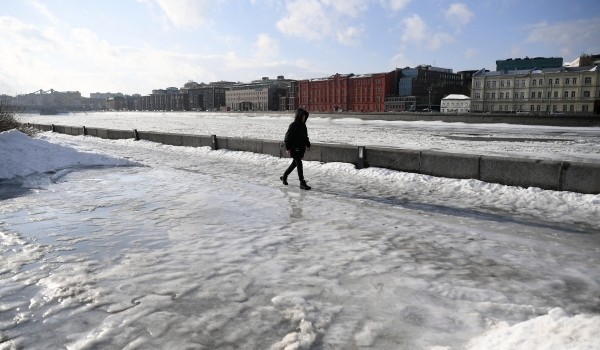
point(207, 250)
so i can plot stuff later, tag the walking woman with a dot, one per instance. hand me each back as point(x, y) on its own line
point(296, 143)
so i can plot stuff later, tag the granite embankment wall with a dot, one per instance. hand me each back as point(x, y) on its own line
point(512, 171)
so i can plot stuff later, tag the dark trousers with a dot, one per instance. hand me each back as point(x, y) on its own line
point(296, 163)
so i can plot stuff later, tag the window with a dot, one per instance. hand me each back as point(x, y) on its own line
point(584, 108)
point(487, 95)
point(586, 94)
point(516, 95)
point(549, 81)
point(488, 84)
point(549, 94)
point(533, 94)
point(502, 95)
point(556, 81)
point(501, 83)
point(500, 108)
point(532, 108)
point(538, 108)
point(567, 81)
point(494, 84)
point(541, 82)
point(493, 95)
point(573, 94)
point(587, 80)
point(522, 94)
point(556, 94)
point(533, 82)
point(516, 83)
point(564, 108)
point(477, 95)
point(539, 94)
point(566, 94)
point(508, 83)
point(574, 81)
point(478, 84)
point(523, 83)
point(554, 108)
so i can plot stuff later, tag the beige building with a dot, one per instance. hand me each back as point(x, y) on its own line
point(568, 90)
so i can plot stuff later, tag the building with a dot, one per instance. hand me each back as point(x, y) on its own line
point(347, 92)
point(51, 101)
point(260, 95)
point(207, 97)
point(572, 90)
point(422, 88)
point(528, 63)
point(456, 103)
point(169, 99)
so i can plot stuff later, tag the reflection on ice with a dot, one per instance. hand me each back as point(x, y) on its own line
point(191, 251)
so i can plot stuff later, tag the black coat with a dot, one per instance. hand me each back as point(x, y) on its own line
point(296, 138)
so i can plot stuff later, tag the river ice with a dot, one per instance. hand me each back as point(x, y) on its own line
point(136, 245)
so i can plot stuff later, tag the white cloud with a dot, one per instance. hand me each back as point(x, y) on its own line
point(43, 10)
point(400, 61)
point(397, 5)
point(571, 38)
point(315, 20)
point(458, 14)
point(471, 53)
point(187, 13)
point(417, 32)
point(266, 46)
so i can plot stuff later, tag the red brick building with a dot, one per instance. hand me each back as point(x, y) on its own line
point(347, 92)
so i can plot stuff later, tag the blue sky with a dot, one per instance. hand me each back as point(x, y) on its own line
point(134, 46)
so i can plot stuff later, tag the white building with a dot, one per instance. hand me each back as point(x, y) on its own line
point(456, 103)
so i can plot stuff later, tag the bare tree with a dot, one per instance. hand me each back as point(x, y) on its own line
point(8, 118)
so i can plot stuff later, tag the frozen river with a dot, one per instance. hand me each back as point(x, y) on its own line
point(545, 142)
point(182, 248)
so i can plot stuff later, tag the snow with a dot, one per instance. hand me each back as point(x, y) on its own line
point(142, 245)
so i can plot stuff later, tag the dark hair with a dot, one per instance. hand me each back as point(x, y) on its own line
point(300, 114)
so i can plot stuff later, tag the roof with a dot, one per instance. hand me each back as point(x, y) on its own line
point(456, 97)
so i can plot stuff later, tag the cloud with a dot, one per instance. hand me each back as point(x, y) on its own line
point(397, 5)
point(43, 10)
point(417, 32)
point(77, 59)
point(471, 53)
point(400, 61)
point(572, 38)
point(458, 14)
point(187, 13)
point(266, 46)
point(315, 20)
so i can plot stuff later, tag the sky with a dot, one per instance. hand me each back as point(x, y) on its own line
point(135, 46)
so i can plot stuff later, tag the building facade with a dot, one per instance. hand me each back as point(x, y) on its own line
point(572, 90)
point(456, 103)
point(169, 99)
point(347, 92)
point(423, 87)
point(260, 95)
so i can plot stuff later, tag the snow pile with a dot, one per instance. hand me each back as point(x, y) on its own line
point(23, 156)
point(556, 330)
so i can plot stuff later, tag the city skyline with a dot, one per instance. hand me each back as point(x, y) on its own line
point(137, 46)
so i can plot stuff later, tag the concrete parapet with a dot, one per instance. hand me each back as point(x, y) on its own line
point(246, 145)
point(580, 177)
point(452, 165)
point(273, 148)
point(338, 153)
point(119, 134)
point(392, 158)
point(151, 136)
point(521, 172)
point(512, 171)
point(172, 139)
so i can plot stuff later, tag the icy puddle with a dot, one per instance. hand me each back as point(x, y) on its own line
point(212, 253)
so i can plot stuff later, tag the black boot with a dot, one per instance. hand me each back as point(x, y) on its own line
point(304, 186)
point(283, 179)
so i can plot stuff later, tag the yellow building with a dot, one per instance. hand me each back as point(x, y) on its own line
point(561, 90)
